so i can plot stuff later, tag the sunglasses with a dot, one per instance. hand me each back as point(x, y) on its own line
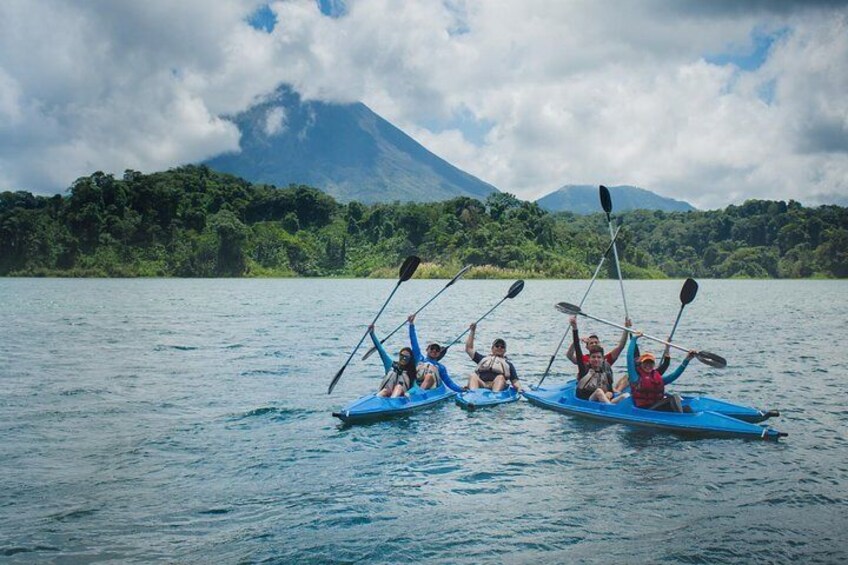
point(499, 346)
point(405, 357)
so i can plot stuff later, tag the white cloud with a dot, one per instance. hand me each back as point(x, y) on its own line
point(576, 92)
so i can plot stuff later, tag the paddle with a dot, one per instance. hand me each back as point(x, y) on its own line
point(687, 295)
point(582, 300)
point(406, 272)
point(704, 357)
point(606, 204)
point(514, 291)
point(394, 331)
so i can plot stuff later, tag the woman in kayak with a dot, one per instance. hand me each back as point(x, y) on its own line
point(594, 378)
point(624, 382)
point(430, 373)
point(646, 382)
point(400, 374)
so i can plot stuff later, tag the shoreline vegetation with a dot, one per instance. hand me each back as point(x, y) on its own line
point(195, 222)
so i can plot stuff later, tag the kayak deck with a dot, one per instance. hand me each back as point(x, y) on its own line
point(562, 399)
point(371, 407)
point(481, 397)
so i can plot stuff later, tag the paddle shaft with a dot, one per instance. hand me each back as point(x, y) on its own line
point(582, 300)
point(480, 319)
point(632, 331)
point(355, 349)
point(617, 266)
point(677, 321)
point(394, 331)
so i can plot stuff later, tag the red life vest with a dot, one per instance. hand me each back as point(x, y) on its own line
point(649, 390)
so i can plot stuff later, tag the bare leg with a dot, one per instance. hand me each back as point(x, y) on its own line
point(384, 392)
point(398, 392)
point(428, 382)
point(499, 383)
point(599, 396)
point(474, 381)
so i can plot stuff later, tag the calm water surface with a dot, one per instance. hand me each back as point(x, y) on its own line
point(188, 421)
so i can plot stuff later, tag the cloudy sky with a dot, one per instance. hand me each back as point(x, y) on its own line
point(711, 102)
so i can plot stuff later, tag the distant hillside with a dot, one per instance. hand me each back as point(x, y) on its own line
point(584, 199)
point(346, 150)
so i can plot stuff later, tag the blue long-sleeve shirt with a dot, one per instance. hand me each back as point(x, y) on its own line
point(387, 361)
point(633, 374)
point(420, 358)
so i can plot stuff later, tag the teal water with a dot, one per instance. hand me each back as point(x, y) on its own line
point(188, 421)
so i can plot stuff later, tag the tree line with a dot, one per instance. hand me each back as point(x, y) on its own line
point(195, 222)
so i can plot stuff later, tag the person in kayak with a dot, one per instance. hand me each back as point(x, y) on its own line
point(594, 377)
point(400, 374)
point(430, 373)
point(624, 382)
point(493, 370)
point(593, 341)
point(646, 382)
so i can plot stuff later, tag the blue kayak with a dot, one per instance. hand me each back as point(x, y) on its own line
point(562, 399)
point(738, 411)
point(372, 407)
point(481, 397)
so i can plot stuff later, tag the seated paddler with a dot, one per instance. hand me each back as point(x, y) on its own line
point(429, 372)
point(399, 374)
point(646, 382)
point(494, 371)
point(594, 379)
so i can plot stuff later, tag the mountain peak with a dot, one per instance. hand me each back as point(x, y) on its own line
point(584, 199)
point(346, 150)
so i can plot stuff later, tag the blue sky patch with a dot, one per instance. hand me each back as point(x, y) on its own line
point(472, 129)
point(748, 57)
point(263, 19)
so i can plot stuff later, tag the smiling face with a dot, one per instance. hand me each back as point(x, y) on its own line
point(404, 357)
point(592, 341)
point(596, 359)
point(499, 348)
point(434, 350)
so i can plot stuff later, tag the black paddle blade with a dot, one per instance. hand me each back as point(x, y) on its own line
point(515, 289)
point(408, 268)
point(458, 275)
point(336, 379)
point(606, 201)
point(569, 309)
point(369, 353)
point(688, 292)
point(711, 359)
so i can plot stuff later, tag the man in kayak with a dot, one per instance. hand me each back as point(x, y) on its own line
point(429, 371)
point(593, 341)
point(594, 378)
point(400, 374)
point(646, 382)
point(494, 370)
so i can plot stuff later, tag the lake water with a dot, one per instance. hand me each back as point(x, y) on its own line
point(188, 421)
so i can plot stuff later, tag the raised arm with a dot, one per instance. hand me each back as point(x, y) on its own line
point(616, 351)
point(632, 374)
point(679, 370)
point(413, 339)
point(469, 341)
point(578, 352)
point(384, 357)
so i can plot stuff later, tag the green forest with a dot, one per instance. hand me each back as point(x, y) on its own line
point(195, 222)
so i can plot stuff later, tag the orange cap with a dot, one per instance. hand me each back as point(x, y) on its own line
point(647, 357)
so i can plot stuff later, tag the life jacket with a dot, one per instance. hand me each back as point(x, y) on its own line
point(494, 365)
point(427, 368)
point(594, 380)
point(395, 376)
point(649, 390)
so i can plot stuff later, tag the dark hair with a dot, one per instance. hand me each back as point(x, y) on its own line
point(593, 335)
point(596, 349)
point(411, 369)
